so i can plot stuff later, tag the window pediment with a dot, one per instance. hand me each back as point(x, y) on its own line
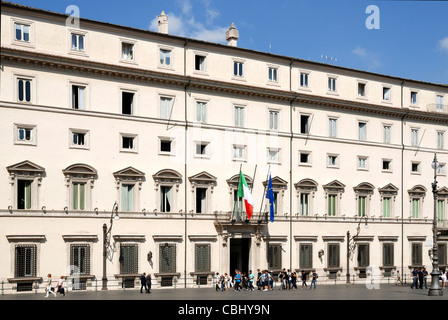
point(417, 190)
point(389, 189)
point(236, 178)
point(25, 166)
point(168, 175)
point(129, 173)
point(277, 183)
point(335, 186)
point(365, 188)
point(203, 178)
point(306, 184)
point(80, 169)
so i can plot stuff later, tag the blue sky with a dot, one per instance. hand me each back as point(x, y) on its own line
point(411, 42)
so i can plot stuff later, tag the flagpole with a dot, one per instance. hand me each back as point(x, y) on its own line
point(264, 192)
point(237, 190)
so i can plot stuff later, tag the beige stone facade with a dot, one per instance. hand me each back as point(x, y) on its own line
point(161, 125)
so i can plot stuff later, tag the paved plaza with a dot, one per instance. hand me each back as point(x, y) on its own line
point(322, 292)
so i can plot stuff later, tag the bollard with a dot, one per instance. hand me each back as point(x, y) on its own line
point(2, 288)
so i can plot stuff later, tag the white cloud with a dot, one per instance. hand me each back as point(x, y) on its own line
point(443, 44)
point(184, 24)
point(370, 59)
point(360, 51)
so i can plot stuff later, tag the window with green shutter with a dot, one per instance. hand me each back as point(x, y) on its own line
point(306, 256)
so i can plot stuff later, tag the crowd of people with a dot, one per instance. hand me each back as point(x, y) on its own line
point(264, 280)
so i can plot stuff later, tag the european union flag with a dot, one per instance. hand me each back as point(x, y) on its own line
point(270, 197)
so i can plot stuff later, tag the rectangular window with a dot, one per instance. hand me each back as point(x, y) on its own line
point(273, 155)
point(165, 107)
point(306, 256)
point(199, 63)
point(333, 255)
point(275, 256)
point(362, 163)
point(332, 161)
point(415, 208)
point(165, 146)
point(24, 134)
point(332, 84)
point(362, 206)
point(239, 116)
point(440, 140)
point(305, 158)
point(202, 257)
point(22, 32)
point(127, 143)
point(415, 167)
point(440, 210)
point(165, 199)
point(201, 200)
point(127, 197)
point(386, 133)
point(273, 120)
point(361, 89)
point(363, 255)
point(78, 42)
point(386, 207)
point(80, 259)
point(78, 97)
point(304, 124)
point(78, 139)
point(386, 94)
point(273, 74)
point(238, 152)
point(413, 97)
point(128, 259)
point(387, 165)
point(304, 79)
point(440, 169)
point(201, 112)
point(202, 148)
point(24, 194)
point(362, 131)
point(238, 68)
point(78, 196)
point(388, 254)
point(24, 90)
point(127, 102)
point(332, 199)
point(127, 51)
point(333, 127)
point(414, 137)
point(417, 254)
point(165, 57)
point(304, 204)
point(167, 258)
point(25, 261)
point(439, 103)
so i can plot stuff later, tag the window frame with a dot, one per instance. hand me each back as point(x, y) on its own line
point(33, 134)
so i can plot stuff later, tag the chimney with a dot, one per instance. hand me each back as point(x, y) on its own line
point(163, 23)
point(232, 36)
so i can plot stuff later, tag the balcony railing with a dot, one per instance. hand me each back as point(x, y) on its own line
point(436, 107)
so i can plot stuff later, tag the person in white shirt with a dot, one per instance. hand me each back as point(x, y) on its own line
point(48, 287)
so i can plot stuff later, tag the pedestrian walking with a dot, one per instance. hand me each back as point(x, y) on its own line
point(148, 283)
point(398, 279)
point(304, 275)
point(143, 283)
point(61, 289)
point(218, 281)
point(48, 288)
point(251, 281)
point(443, 278)
point(294, 280)
point(237, 280)
point(314, 280)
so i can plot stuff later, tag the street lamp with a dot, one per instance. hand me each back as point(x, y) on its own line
point(435, 289)
point(106, 241)
point(351, 245)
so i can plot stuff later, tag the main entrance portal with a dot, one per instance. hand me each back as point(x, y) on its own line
point(239, 255)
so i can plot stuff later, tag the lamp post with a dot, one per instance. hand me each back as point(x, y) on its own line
point(435, 289)
point(106, 241)
point(351, 245)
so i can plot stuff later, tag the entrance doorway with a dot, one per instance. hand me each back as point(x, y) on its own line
point(239, 255)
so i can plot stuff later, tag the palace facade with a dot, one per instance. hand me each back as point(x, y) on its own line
point(99, 120)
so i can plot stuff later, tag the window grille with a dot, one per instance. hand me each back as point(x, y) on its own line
point(275, 257)
point(25, 261)
point(80, 259)
point(202, 258)
point(128, 259)
point(167, 258)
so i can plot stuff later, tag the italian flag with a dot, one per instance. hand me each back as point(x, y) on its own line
point(244, 192)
